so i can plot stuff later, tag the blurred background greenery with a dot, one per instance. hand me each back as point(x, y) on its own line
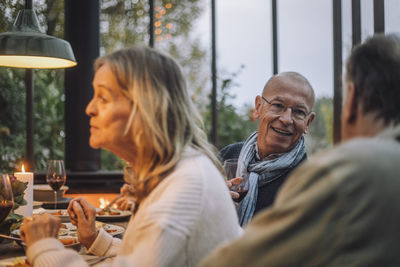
point(122, 24)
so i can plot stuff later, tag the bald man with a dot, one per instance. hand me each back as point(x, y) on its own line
point(284, 111)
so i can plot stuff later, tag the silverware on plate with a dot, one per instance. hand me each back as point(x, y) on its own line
point(11, 238)
point(112, 203)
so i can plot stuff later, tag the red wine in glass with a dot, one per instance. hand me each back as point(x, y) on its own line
point(5, 208)
point(6, 197)
point(56, 177)
point(56, 184)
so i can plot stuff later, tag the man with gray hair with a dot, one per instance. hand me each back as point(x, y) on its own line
point(341, 207)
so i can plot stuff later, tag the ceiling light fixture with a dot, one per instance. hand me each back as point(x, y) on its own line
point(26, 46)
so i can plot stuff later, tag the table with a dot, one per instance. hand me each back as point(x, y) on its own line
point(9, 249)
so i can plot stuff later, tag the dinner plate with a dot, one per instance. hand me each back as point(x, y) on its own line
point(62, 214)
point(112, 229)
point(123, 215)
point(61, 232)
point(61, 203)
point(67, 231)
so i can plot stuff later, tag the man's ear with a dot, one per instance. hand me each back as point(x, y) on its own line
point(350, 105)
point(309, 121)
point(258, 107)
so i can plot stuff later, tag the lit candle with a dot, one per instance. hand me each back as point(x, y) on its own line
point(26, 177)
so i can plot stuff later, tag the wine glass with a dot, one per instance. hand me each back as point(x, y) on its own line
point(56, 176)
point(6, 197)
point(230, 166)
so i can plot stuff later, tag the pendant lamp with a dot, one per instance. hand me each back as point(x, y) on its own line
point(25, 46)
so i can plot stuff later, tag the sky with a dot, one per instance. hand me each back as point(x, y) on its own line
point(305, 41)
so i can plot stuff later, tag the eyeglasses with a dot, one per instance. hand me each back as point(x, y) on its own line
point(278, 108)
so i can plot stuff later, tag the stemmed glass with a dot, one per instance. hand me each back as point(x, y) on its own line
point(56, 176)
point(230, 166)
point(6, 197)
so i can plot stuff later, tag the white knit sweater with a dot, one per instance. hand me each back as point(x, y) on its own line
point(183, 219)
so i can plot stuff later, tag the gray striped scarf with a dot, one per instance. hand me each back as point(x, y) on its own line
point(262, 172)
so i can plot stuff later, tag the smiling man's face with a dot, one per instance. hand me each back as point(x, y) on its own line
point(279, 133)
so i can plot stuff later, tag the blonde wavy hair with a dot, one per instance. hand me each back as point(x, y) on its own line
point(163, 120)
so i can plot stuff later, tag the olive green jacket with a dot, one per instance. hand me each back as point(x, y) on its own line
point(341, 208)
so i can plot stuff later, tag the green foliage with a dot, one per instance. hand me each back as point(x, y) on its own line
point(233, 125)
point(49, 117)
point(12, 100)
point(11, 223)
point(110, 161)
point(125, 24)
point(48, 97)
point(12, 118)
point(321, 129)
point(18, 189)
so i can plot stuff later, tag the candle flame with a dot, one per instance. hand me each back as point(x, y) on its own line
point(103, 203)
point(23, 168)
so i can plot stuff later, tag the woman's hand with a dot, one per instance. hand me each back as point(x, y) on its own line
point(128, 200)
point(39, 227)
point(83, 215)
point(232, 182)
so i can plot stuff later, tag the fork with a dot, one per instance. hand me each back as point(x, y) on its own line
point(11, 238)
point(112, 202)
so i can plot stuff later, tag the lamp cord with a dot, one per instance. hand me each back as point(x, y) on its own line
point(28, 4)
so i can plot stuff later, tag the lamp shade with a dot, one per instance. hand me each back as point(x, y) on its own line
point(27, 47)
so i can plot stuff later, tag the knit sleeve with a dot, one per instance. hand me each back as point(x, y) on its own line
point(104, 244)
point(155, 245)
point(49, 252)
point(159, 233)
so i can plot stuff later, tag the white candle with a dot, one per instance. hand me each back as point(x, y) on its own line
point(26, 177)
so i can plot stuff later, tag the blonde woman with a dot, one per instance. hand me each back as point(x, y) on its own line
point(141, 111)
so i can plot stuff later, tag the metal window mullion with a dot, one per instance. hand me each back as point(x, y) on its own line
point(214, 113)
point(275, 36)
point(379, 16)
point(337, 69)
point(356, 21)
point(151, 23)
point(30, 156)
